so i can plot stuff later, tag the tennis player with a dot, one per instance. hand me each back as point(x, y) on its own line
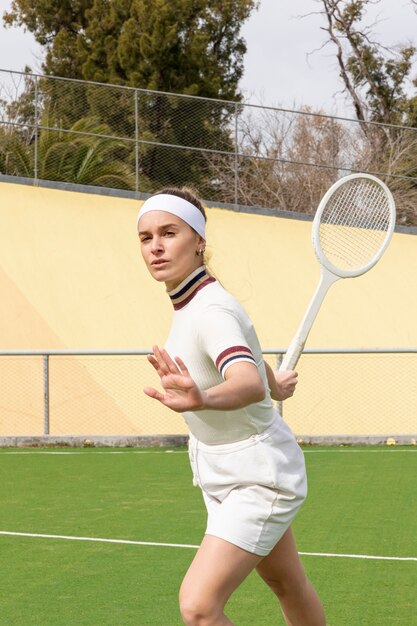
point(243, 456)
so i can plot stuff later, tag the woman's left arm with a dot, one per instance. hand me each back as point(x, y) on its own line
point(242, 386)
point(281, 384)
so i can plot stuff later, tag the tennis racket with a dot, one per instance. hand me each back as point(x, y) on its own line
point(352, 227)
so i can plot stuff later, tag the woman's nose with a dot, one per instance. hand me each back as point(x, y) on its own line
point(156, 244)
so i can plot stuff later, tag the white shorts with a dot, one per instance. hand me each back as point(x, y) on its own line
point(252, 488)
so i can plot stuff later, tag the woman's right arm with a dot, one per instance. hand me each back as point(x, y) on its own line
point(242, 386)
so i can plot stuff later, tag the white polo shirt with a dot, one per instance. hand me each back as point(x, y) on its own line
point(211, 331)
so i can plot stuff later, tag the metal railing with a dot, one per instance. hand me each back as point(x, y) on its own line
point(138, 140)
point(73, 397)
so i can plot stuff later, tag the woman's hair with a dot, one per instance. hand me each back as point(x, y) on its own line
point(186, 194)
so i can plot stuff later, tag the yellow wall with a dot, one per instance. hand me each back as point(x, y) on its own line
point(71, 277)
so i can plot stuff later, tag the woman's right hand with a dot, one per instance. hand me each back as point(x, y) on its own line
point(180, 391)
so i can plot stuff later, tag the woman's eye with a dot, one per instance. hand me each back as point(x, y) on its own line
point(143, 239)
point(169, 233)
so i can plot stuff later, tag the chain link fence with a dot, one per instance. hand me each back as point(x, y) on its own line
point(344, 396)
point(138, 141)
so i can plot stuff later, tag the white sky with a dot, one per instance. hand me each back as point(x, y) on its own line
point(277, 70)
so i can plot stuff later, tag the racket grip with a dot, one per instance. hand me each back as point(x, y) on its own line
point(292, 355)
point(296, 346)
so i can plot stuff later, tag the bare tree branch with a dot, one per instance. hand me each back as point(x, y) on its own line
point(373, 74)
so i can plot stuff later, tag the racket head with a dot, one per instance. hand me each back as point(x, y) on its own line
point(353, 225)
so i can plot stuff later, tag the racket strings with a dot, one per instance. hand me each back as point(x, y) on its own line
point(354, 224)
point(350, 250)
point(370, 207)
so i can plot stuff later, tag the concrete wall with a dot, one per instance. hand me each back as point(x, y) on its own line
point(71, 277)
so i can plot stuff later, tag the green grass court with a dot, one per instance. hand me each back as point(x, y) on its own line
point(362, 501)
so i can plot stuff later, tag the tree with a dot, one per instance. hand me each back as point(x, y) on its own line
point(83, 155)
point(395, 163)
point(56, 25)
point(180, 46)
point(376, 79)
point(373, 75)
point(190, 47)
point(286, 160)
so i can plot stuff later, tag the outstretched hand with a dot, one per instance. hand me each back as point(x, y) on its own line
point(180, 391)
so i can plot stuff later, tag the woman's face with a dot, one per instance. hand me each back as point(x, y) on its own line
point(169, 247)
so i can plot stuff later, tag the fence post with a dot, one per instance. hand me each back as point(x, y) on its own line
point(35, 156)
point(136, 142)
point(279, 403)
point(236, 191)
point(46, 394)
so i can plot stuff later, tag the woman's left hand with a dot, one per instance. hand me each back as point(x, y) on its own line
point(286, 382)
point(181, 392)
point(281, 383)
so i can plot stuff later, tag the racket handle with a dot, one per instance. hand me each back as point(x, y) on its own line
point(292, 355)
point(296, 346)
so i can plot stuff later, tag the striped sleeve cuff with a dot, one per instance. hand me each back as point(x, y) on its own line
point(233, 355)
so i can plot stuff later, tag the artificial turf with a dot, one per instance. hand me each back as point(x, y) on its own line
point(361, 502)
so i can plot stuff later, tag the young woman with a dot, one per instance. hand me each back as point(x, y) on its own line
point(243, 456)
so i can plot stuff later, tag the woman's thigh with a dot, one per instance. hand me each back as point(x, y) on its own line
point(217, 570)
point(282, 568)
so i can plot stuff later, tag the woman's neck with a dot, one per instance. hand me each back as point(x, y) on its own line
point(183, 293)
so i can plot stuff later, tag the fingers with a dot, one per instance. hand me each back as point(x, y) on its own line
point(182, 367)
point(153, 393)
point(293, 381)
point(286, 377)
point(291, 375)
point(156, 395)
point(287, 381)
point(162, 362)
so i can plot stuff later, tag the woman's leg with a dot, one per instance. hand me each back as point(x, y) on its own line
point(282, 570)
point(216, 571)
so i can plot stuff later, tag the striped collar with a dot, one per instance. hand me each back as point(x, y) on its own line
point(185, 292)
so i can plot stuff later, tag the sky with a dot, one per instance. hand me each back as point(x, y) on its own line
point(284, 65)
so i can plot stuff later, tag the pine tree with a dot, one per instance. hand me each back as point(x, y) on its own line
point(190, 47)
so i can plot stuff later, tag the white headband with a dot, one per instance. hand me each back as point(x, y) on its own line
point(177, 206)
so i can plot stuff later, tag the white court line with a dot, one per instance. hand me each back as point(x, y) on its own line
point(184, 545)
point(361, 556)
point(99, 539)
point(93, 451)
point(391, 451)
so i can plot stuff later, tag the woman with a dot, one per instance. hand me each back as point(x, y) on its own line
point(243, 456)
